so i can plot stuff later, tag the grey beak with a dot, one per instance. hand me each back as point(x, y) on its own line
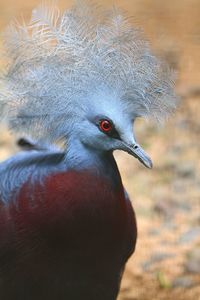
point(137, 151)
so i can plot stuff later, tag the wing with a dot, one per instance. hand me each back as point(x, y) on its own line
point(27, 165)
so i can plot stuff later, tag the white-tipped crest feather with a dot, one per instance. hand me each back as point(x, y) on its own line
point(58, 61)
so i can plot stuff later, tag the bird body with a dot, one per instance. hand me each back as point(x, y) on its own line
point(67, 226)
point(67, 236)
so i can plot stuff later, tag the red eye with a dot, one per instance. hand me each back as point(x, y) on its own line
point(105, 125)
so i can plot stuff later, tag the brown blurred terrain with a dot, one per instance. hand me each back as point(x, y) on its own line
point(166, 264)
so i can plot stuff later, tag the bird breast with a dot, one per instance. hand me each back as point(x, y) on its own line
point(74, 224)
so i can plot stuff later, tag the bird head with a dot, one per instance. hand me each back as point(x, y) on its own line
point(85, 74)
point(106, 126)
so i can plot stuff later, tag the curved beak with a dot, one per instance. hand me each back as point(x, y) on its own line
point(137, 151)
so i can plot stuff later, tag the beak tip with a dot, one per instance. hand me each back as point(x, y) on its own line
point(148, 163)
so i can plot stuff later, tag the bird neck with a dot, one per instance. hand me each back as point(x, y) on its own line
point(81, 157)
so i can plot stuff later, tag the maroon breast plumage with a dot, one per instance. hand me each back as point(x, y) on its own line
point(68, 237)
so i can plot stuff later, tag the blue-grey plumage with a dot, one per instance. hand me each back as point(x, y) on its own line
point(62, 67)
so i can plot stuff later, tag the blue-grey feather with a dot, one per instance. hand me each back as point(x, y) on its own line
point(57, 61)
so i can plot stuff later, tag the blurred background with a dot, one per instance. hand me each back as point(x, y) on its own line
point(166, 264)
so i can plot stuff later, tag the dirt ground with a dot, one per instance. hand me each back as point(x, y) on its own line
point(166, 264)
